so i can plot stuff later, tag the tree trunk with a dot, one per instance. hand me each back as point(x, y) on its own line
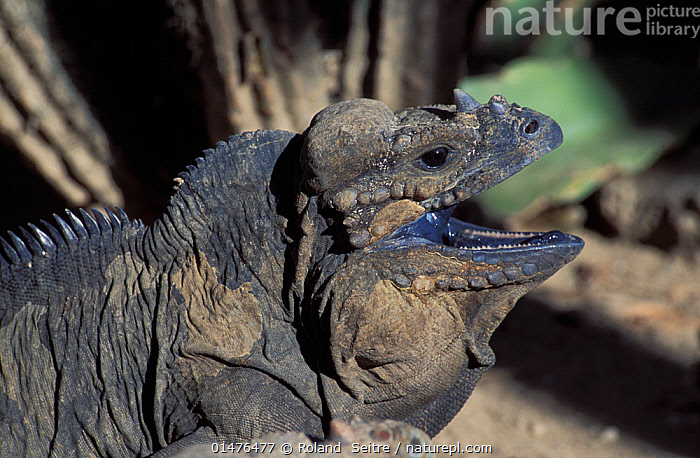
point(268, 64)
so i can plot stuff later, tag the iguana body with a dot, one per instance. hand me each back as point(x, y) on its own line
point(293, 279)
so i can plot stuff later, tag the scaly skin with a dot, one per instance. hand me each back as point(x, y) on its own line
point(406, 318)
point(293, 280)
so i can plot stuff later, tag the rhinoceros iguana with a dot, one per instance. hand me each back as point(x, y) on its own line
point(293, 279)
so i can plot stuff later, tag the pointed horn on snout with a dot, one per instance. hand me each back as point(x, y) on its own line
point(465, 102)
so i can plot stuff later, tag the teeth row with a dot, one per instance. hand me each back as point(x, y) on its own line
point(486, 247)
point(497, 234)
point(499, 247)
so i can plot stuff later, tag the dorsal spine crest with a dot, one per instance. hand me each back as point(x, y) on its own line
point(21, 249)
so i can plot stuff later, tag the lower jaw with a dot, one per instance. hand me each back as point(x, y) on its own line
point(439, 228)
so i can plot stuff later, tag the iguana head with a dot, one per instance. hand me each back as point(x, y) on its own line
point(381, 169)
point(419, 293)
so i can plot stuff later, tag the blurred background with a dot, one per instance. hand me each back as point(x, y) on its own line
point(105, 102)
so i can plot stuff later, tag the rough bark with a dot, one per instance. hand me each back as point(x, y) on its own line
point(44, 116)
point(261, 64)
point(275, 64)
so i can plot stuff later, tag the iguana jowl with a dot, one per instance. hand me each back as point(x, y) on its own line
point(293, 278)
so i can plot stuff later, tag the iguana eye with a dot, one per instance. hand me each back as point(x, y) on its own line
point(435, 158)
point(531, 127)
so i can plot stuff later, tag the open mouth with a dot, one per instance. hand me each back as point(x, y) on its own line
point(439, 228)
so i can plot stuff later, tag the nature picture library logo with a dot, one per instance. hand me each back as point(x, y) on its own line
point(658, 20)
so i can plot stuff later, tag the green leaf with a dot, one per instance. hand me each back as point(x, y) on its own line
point(600, 140)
